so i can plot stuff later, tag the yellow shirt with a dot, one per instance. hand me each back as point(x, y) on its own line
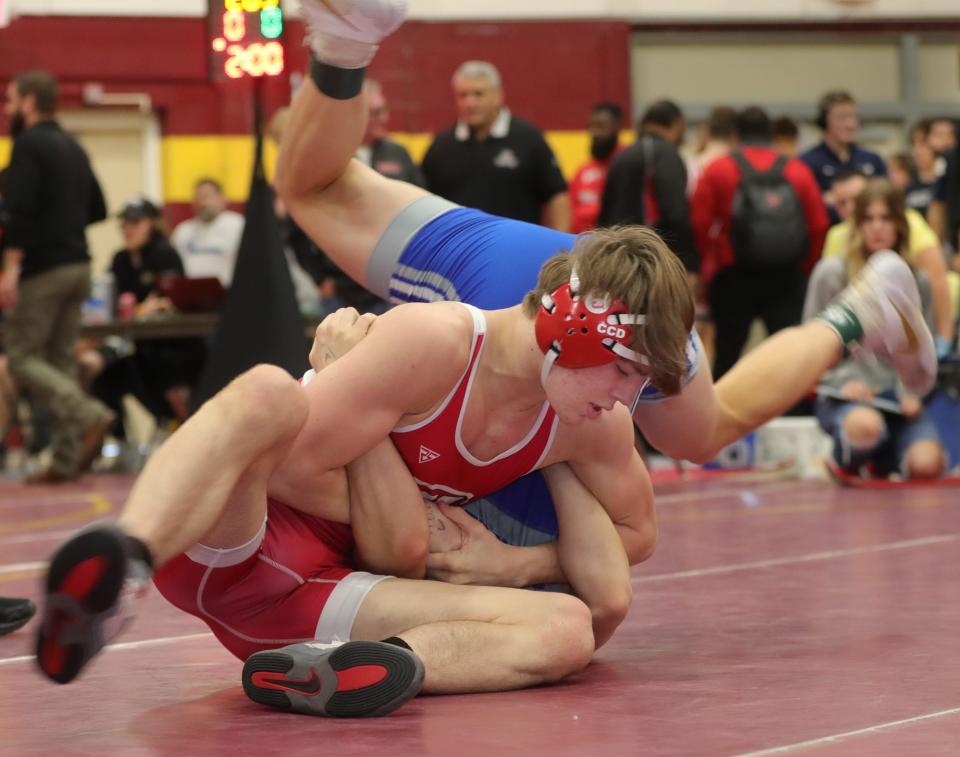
point(922, 237)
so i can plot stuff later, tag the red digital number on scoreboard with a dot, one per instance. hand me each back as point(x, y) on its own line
point(245, 38)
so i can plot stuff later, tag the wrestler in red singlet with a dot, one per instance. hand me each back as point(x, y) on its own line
point(294, 580)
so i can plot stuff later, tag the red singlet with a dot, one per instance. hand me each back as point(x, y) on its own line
point(440, 462)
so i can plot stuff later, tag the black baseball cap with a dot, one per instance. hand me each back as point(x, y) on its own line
point(137, 208)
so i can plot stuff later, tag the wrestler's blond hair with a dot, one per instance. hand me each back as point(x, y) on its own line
point(632, 264)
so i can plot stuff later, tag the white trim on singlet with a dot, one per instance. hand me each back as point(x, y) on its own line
point(479, 329)
point(336, 618)
point(476, 461)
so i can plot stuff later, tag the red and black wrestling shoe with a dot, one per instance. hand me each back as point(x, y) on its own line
point(93, 584)
point(353, 680)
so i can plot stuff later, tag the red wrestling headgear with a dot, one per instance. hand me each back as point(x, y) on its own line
point(582, 333)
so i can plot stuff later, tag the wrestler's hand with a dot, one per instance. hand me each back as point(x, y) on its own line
point(445, 534)
point(481, 560)
point(337, 334)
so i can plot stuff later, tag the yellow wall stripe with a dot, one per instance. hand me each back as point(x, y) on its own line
point(229, 159)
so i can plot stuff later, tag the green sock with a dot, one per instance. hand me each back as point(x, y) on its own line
point(844, 321)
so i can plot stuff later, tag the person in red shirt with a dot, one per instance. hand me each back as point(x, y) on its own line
point(739, 292)
point(586, 187)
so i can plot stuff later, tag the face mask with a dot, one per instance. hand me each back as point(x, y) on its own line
point(16, 124)
point(602, 148)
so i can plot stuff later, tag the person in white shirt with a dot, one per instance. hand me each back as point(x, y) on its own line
point(208, 242)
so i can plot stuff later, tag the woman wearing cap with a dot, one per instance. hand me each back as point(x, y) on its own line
point(160, 372)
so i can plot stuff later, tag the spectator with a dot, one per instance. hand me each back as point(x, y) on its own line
point(385, 156)
point(942, 136)
point(493, 160)
point(899, 168)
point(786, 136)
point(586, 187)
point(837, 118)
point(52, 197)
point(647, 183)
point(160, 372)
point(877, 427)
point(925, 184)
point(950, 220)
point(719, 137)
point(764, 233)
point(209, 242)
point(923, 251)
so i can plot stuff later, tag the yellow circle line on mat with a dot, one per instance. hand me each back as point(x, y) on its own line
point(23, 574)
point(98, 506)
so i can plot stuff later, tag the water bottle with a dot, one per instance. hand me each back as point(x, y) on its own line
point(99, 306)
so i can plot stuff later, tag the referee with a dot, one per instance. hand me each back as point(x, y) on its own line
point(493, 160)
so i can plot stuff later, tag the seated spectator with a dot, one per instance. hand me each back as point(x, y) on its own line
point(786, 136)
point(923, 252)
point(160, 372)
point(878, 428)
point(586, 187)
point(209, 242)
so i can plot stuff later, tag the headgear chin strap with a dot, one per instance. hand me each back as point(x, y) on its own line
point(583, 333)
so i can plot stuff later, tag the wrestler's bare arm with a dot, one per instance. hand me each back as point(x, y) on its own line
point(354, 403)
point(590, 552)
point(607, 463)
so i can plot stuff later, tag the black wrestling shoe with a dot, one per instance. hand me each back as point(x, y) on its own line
point(93, 584)
point(14, 614)
point(353, 680)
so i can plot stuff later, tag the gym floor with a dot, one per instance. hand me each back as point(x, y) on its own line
point(777, 617)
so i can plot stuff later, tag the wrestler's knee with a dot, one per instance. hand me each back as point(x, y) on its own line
point(564, 641)
point(266, 398)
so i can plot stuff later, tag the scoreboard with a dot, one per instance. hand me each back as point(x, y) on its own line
point(245, 38)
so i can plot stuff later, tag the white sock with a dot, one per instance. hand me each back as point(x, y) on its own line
point(347, 35)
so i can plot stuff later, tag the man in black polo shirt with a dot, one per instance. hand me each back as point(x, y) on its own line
point(493, 160)
point(53, 196)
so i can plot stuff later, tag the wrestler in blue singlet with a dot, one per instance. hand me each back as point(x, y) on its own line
point(435, 250)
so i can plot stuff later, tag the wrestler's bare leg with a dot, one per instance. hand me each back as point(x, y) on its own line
point(700, 421)
point(343, 205)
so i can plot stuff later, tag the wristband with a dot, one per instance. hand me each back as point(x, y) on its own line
point(335, 82)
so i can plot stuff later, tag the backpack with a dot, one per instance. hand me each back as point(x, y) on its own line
point(768, 229)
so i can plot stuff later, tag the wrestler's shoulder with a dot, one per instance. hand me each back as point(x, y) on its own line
point(443, 328)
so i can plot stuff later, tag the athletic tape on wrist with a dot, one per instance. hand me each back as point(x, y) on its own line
point(338, 83)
